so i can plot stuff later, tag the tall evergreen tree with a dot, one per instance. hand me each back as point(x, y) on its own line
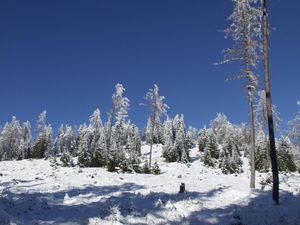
point(43, 142)
point(158, 108)
point(11, 137)
point(245, 31)
point(286, 160)
point(118, 113)
point(27, 141)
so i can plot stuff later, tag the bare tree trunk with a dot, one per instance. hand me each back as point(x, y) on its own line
point(151, 143)
point(269, 108)
point(110, 121)
point(252, 137)
point(250, 90)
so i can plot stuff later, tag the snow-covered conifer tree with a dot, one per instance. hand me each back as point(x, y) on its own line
point(168, 148)
point(43, 142)
point(98, 147)
point(27, 141)
point(85, 136)
point(211, 151)
point(246, 33)
point(191, 137)
point(294, 132)
point(262, 159)
point(11, 137)
point(203, 138)
point(158, 108)
point(118, 113)
point(230, 161)
point(157, 133)
point(286, 160)
point(182, 152)
point(220, 126)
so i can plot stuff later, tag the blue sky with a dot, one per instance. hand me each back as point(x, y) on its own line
point(65, 56)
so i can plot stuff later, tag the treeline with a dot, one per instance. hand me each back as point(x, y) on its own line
point(223, 144)
point(116, 144)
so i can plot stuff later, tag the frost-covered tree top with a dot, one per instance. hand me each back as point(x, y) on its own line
point(120, 104)
point(95, 120)
point(156, 102)
point(245, 31)
point(41, 122)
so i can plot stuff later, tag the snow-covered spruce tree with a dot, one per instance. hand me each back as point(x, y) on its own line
point(43, 142)
point(158, 108)
point(211, 151)
point(220, 126)
point(116, 156)
point(182, 152)
point(175, 148)
point(286, 160)
point(168, 152)
point(98, 147)
point(191, 137)
point(157, 133)
point(132, 149)
point(11, 138)
point(294, 132)
point(27, 141)
point(246, 33)
point(239, 137)
point(230, 161)
point(118, 111)
point(85, 137)
point(65, 141)
point(92, 149)
point(203, 139)
point(262, 162)
point(260, 112)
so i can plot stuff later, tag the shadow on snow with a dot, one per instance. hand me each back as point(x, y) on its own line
point(62, 207)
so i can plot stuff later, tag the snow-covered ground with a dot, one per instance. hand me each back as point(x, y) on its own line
point(34, 192)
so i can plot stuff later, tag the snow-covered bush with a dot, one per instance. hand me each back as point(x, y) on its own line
point(155, 169)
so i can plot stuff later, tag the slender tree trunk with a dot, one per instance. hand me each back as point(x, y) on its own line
point(269, 107)
point(250, 90)
point(110, 121)
point(152, 136)
point(252, 137)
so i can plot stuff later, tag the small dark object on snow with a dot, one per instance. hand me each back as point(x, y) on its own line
point(182, 188)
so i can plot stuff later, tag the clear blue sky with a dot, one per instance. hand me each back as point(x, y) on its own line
point(65, 56)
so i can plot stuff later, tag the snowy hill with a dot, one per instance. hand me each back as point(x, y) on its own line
point(34, 192)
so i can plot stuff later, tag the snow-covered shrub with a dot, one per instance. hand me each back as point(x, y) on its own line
point(66, 159)
point(146, 168)
point(155, 169)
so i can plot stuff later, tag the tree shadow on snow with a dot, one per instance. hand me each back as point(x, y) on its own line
point(76, 206)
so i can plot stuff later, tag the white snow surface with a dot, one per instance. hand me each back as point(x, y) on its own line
point(34, 192)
